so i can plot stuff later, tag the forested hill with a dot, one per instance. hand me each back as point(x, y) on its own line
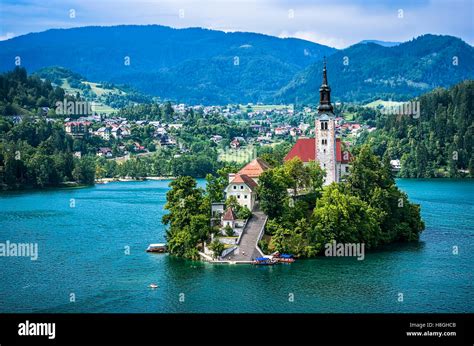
point(439, 142)
point(37, 152)
point(369, 71)
point(191, 65)
point(21, 94)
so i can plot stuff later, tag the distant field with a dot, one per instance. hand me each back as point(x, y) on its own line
point(67, 87)
point(383, 103)
point(243, 155)
point(101, 108)
point(264, 107)
point(96, 106)
point(101, 91)
point(348, 116)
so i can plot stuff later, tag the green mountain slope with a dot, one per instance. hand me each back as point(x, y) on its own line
point(192, 65)
point(439, 142)
point(368, 71)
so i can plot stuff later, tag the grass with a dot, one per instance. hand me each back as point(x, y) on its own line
point(382, 103)
point(349, 116)
point(264, 107)
point(242, 155)
point(101, 108)
point(101, 91)
point(98, 107)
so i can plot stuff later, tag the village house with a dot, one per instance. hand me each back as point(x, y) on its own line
point(104, 132)
point(243, 184)
point(282, 131)
point(295, 131)
point(116, 132)
point(77, 129)
point(104, 152)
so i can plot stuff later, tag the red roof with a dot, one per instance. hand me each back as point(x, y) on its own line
point(304, 148)
point(229, 215)
point(245, 179)
point(254, 168)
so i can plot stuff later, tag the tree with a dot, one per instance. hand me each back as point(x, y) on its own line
point(344, 218)
point(215, 186)
point(272, 191)
point(372, 182)
point(316, 177)
point(84, 170)
point(216, 247)
point(297, 174)
point(243, 212)
point(188, 218)
point(200, 227)
point(294, 240)
point(229, 230)
point(232, 202)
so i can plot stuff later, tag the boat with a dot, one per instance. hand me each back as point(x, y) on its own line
point(265, 261)
point(284, 258)
point(158, 248)
point(153, 286)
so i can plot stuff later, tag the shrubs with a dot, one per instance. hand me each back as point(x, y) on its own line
point(229, 231)
point(242, 212)
point(217, 247)
point(368, 208)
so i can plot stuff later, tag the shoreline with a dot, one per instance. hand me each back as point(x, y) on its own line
point(153, 178)
point(75, 185)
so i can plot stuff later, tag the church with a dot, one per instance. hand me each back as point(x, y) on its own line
point(324, 148)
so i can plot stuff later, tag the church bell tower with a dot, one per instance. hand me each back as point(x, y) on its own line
point(325, 131)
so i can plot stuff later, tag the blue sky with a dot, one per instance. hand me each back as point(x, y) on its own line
point(337, 23)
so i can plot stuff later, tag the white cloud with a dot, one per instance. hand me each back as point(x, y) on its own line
point(7, 36)
point(337, 23)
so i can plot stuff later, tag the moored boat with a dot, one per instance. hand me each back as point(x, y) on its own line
point(284, 258)
point(264, 261)
point(158, 248)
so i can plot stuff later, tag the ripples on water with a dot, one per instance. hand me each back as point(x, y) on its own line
point(81, 251)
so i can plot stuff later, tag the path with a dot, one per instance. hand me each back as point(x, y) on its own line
point(247, 249)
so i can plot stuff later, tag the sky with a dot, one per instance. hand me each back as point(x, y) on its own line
point(336, 23)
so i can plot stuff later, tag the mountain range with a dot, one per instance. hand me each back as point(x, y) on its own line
point(204, 66)
point(193, 65)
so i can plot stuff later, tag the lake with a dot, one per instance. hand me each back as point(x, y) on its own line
point(83, 266)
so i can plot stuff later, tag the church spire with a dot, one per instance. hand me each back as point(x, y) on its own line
point(325, 75)
point(325, 105)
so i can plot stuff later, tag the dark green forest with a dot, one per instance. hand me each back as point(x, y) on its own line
point(367, 72)
point(438, 143)
point(185, 65)
point(199, 66)
point(36, 152)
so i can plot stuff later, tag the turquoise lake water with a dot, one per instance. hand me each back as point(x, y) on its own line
point(82, 252)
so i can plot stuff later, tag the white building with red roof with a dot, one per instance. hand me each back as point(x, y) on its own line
point(243, 184)
point(324, 148)
point(229, 218)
